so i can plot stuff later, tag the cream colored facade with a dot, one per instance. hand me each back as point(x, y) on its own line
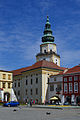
point(42, 74)
point(48, 52)
point(5, 85)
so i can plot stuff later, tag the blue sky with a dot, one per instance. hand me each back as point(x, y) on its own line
point(21, 28)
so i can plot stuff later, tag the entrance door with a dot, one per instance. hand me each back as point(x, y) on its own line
point(6, 96)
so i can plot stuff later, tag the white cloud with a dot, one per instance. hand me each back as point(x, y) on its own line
point(68, 43)
point(45, 5)
point(70, 57)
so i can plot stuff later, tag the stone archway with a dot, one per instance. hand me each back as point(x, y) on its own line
point(56, 100)
point(6, 96)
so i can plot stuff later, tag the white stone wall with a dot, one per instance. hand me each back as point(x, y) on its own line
point(48, 47)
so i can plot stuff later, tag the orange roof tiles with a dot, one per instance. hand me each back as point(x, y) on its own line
point(75, 69)
point(40, 64)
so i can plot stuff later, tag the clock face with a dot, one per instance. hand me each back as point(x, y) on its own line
point(50, 46)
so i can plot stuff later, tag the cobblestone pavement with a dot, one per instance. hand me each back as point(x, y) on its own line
point(24, 113)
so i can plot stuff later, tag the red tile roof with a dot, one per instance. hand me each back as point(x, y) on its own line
point(40, 64)
point(75, 69)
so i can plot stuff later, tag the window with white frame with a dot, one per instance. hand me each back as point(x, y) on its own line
point(75, 86)
point(65, 79)
point(75, 78)
point(65, 87)
point(70, 78)
point(70, 86)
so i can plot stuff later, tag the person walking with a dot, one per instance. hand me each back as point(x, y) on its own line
point(30, 104)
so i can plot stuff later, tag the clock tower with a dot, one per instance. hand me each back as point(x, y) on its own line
point(48, 49)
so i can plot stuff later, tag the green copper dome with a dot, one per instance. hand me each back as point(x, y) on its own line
point(47, 37)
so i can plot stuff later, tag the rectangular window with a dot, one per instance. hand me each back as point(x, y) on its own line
point(75, 78)
point(65, 87)
point(18, 93)
point(26, 76)
point(4, 76)
point(18, 84)
point(36, 80)
point(75, 86)
point(26, 91)
point(26, 82)
point(58, 89)
point(50, 50)
point(9, 77)
point(36, 91)
point(51, 87)
point(65, 79)
point(70, 86)
point(31, 81)
point(36, 74)
point(3, 85)
point(55, 79)
point(44, 51)
point(70, 78)
point(31, 91)
point(48, 80)
point(14, 84)
point(8, 85)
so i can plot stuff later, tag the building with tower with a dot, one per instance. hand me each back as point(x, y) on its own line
point(48, 50)
point(31, 83)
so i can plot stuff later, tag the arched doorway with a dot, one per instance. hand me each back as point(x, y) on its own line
point(55, 100)
point(68, 99)
point(6, 96)
point(78, 99)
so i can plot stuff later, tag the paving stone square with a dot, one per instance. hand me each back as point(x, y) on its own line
point(26, 113)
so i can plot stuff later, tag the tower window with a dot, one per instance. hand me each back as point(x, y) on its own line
point(50, 50)
point(44, 59)
point(44, 51)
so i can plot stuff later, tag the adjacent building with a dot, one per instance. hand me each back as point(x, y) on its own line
point(55, 87)
point(71, 85)
point(5, 85)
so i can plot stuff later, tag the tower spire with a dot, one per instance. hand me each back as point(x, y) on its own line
point(47, 37)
